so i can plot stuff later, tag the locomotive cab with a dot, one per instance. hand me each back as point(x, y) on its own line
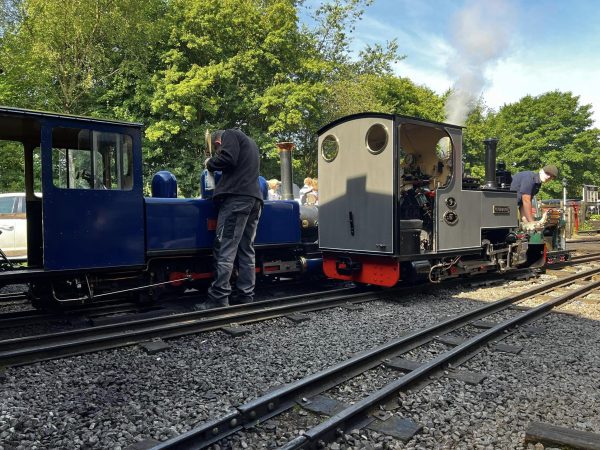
point(90, 213)
point(393, 204)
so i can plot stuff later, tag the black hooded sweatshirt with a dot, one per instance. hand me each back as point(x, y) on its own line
point(239, 161)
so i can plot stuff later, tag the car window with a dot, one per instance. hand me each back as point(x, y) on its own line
point(7, 205)
point(21, 208)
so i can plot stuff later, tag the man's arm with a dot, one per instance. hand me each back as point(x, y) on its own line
point(526, 208)
point(228, 155)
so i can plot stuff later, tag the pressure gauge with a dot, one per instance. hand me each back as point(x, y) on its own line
point(450, 217)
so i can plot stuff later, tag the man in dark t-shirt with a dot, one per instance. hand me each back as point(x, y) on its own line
point(239, 200)
point(527, 184)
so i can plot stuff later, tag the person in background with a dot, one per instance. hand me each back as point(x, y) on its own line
point(264, 187)
point(312, 197)
point(274, 194)
point(239, 201)
point(305, 190)
point(527, 184)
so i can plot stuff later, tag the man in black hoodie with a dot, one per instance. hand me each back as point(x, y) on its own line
point(239, 200)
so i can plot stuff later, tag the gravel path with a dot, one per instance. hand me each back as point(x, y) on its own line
point(115, 398)
point(6, 307)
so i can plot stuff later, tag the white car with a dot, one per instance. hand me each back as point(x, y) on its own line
point(13, 226)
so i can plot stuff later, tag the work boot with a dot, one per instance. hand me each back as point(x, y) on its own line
point(238, 299)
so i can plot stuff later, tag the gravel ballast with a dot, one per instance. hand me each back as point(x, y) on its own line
point(115, 398)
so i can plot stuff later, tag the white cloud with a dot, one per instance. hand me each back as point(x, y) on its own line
point(436, 80)
point(514, 78)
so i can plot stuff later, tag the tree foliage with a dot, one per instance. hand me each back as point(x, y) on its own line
point(12, 166)
point(552, 128)
point(222, 59)
point(64, 55)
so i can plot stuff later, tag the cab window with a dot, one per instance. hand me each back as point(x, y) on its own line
point(425, 155)
point(88, 159)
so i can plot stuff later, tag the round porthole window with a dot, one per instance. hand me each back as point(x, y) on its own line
point(330, 148)
point(377, 138)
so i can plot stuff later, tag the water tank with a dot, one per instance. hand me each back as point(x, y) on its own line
point(164, 185)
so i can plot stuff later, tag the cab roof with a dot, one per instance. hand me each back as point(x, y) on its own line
point(17, 124)
point(384, 116)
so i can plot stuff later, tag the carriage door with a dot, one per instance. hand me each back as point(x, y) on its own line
point(356, 186)
point(93, 210)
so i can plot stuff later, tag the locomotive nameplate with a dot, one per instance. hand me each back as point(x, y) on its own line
point(501, 210)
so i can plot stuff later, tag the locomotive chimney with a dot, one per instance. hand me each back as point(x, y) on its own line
point(285, 158)
point(490, 163)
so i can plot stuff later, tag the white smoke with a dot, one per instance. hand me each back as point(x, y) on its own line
point(481, 34)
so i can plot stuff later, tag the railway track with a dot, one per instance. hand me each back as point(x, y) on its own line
point(308, 393)
point(589, 257)
point(97, 312)
point(10, 297)
point(35, 348)
point(138, 327)
point(134, 326)
point(33, 316)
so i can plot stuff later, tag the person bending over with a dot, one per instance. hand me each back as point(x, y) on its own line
point(239, 201)
point(527, 184)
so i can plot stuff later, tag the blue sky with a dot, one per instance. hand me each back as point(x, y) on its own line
point(533, 46)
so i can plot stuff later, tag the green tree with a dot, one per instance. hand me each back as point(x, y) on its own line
point(477, 129)
point(221, 57)
point(62, 55)
point(552, 128)
point(12, 167)
point(326, 82)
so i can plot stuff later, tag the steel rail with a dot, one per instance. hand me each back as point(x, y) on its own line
point(89, 339)
point(18, 318)
point(585, 256)
point(12, 296)
point(577, 260)
point(285, 397)
point(351, 416)
point(28, 317)
point(29, 349)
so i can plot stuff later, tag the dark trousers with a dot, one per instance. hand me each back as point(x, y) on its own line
point(236, 230)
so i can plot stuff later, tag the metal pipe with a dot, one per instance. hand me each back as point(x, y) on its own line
point(91, 297)
point(490, 163)
point(285, 158)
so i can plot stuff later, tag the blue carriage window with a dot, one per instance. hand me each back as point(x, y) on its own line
point(88, 159)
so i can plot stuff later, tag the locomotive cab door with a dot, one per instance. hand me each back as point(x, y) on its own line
point(356, 185)
point(93, 209)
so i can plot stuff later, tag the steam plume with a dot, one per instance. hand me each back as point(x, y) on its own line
point(481, 35)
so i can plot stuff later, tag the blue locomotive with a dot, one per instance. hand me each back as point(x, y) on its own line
point(93, 234)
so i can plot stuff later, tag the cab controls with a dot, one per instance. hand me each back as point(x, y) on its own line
point(450, 217)
point(451, 202)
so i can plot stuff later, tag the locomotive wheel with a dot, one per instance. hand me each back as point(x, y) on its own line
point(41, 298)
